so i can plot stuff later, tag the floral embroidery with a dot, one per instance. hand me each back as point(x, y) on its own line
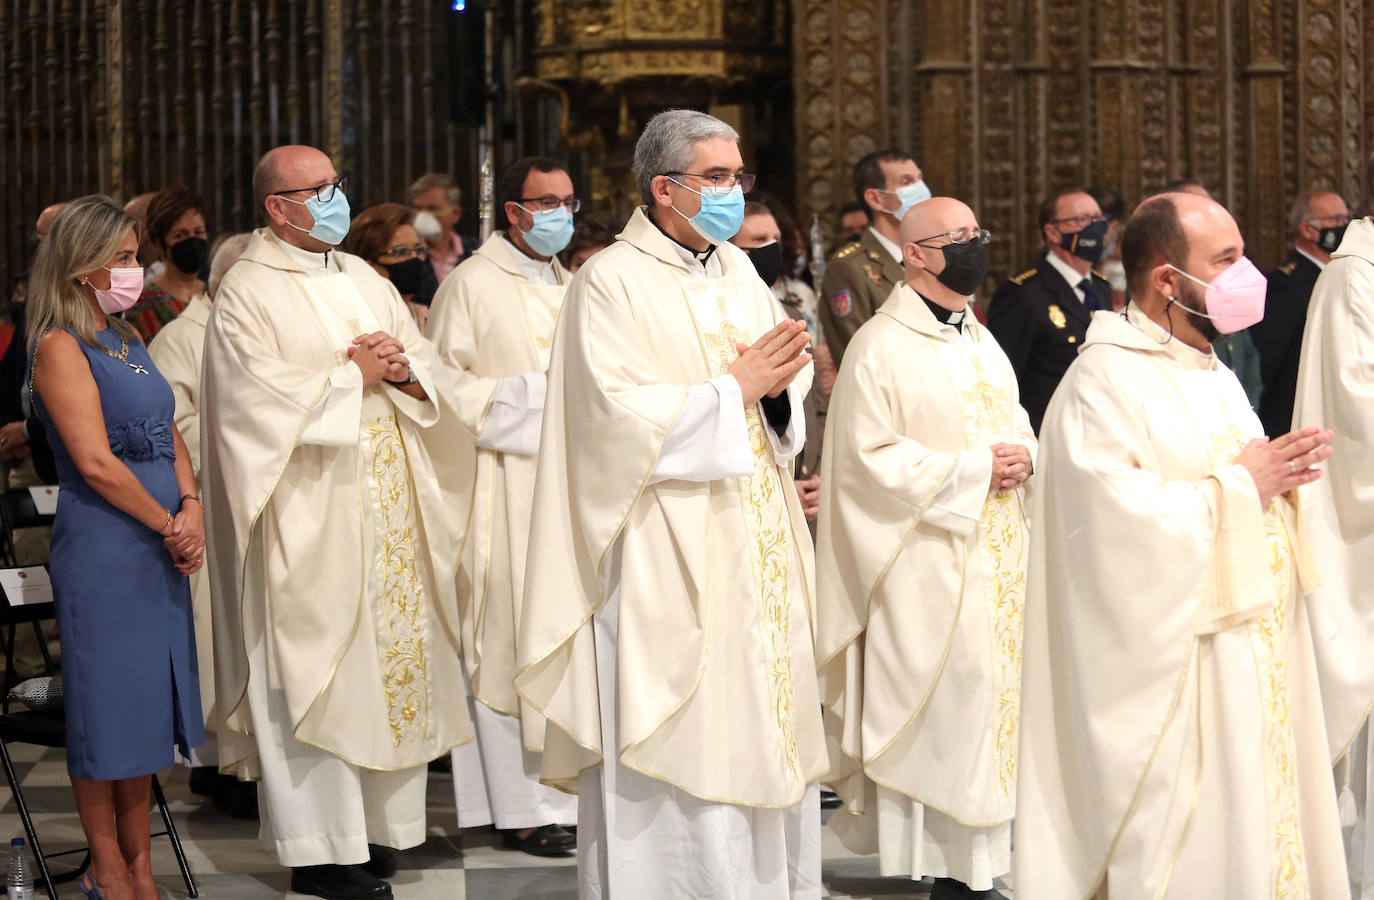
point(401, 616)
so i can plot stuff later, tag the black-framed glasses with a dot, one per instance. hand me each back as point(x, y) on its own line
point(544, 204)
point(419, 251)
point(1078, 223)
point(727, 180)
point(959, 236)
point(324, 192)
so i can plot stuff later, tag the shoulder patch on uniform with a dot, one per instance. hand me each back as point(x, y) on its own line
point(842, 303)
point(847, 250)
point(1287, 268)
point(1021, 279)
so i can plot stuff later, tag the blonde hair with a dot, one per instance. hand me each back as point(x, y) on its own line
point(84, 237)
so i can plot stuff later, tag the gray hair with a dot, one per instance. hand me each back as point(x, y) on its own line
point(669, 143)
point(227, 252)
point(1300, 211)
point(431, 180)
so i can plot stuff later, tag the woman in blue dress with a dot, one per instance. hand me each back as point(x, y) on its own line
point(128, 532)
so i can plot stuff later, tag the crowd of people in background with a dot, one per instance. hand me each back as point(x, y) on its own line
point(363, 619)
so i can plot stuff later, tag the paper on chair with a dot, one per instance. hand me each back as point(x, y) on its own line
point(26, 586)
point(44, 499)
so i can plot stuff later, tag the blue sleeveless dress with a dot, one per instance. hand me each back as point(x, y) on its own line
point(129, 668)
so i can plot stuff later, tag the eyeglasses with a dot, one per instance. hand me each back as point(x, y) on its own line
point(544, 204)
point(325, 192)
point(419, 251)
point(1077, 223)
point(959, 236)
point(744, 180)
point(1338, 218)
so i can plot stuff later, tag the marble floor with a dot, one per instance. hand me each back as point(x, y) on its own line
point(228, 862)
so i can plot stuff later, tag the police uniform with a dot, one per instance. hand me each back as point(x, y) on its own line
point(1038, 319)
point(857, 280)
point(1278, 338)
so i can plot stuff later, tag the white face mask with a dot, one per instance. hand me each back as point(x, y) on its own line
point(1115, 273)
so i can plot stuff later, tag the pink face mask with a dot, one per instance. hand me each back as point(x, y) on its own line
point(126, 285)
point(1235, 298)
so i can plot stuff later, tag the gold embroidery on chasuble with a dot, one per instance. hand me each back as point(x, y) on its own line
point(986, 408)
point(766, 519)
point(1269, 636)
point(401, 610)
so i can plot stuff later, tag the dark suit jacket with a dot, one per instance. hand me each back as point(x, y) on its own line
point(1038, 319)
point(1278, 338)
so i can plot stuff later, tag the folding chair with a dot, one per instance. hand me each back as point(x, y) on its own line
point(48, 728)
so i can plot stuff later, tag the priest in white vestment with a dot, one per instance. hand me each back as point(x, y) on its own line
point(178, 351)
point(921, 571)
point(337, 652)
point(666, 632)
point(492, 322)
point(1336, 389)
point(1172, 734)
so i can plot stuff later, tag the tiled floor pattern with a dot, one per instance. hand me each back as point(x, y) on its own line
point(229, 862)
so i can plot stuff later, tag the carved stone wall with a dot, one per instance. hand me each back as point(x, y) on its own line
point(1004, 101)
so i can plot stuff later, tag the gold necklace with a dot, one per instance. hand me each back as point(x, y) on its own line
point(123, 355)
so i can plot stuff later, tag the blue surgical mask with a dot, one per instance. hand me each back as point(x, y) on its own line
point(331, 218)
point(721, 215)
point(909, 195)
point(551, 231)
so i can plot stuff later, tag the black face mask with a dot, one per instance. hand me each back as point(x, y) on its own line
point(1330, 238)
point(966, 265)
point(767, 261)
point(1086, 244)
point(190, 254)
point(407, 276)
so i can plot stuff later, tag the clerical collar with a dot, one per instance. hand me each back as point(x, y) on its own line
point(536, 271)
point(309, 261)
point(951, 317)
point(701, 256)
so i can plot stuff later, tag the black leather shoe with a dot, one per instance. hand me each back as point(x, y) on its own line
point(338, 883)
point(204, 781)
point(381, 861)
point(238, 799)
point(950, 889)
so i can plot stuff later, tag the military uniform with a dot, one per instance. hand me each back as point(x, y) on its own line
point(1278, 338)
point(857, 280)
point(1038, 319)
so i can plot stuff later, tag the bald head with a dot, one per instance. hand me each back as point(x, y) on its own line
point(925, 236)
point(290, 167)
point(44, 223)
point(138, 207)
point(938, 215)
point(1184, 230)
point(226, 254)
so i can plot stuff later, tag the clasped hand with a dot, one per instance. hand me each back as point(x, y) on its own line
point(1011, 466)
point(185, 539)
point(1281, 464)
point(380, 357)
point(768, 367)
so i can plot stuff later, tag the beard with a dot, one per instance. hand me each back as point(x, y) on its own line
point(1193, 299)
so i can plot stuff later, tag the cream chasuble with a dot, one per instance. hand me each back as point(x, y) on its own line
point(1336, 391)
point(177, 350)
point(920, 574)
point(492, 323)
point(493, 328)
point(1172, 739)
point(331, 557)
point(715, 681)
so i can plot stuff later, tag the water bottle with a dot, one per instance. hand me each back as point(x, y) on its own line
point(17, 883)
